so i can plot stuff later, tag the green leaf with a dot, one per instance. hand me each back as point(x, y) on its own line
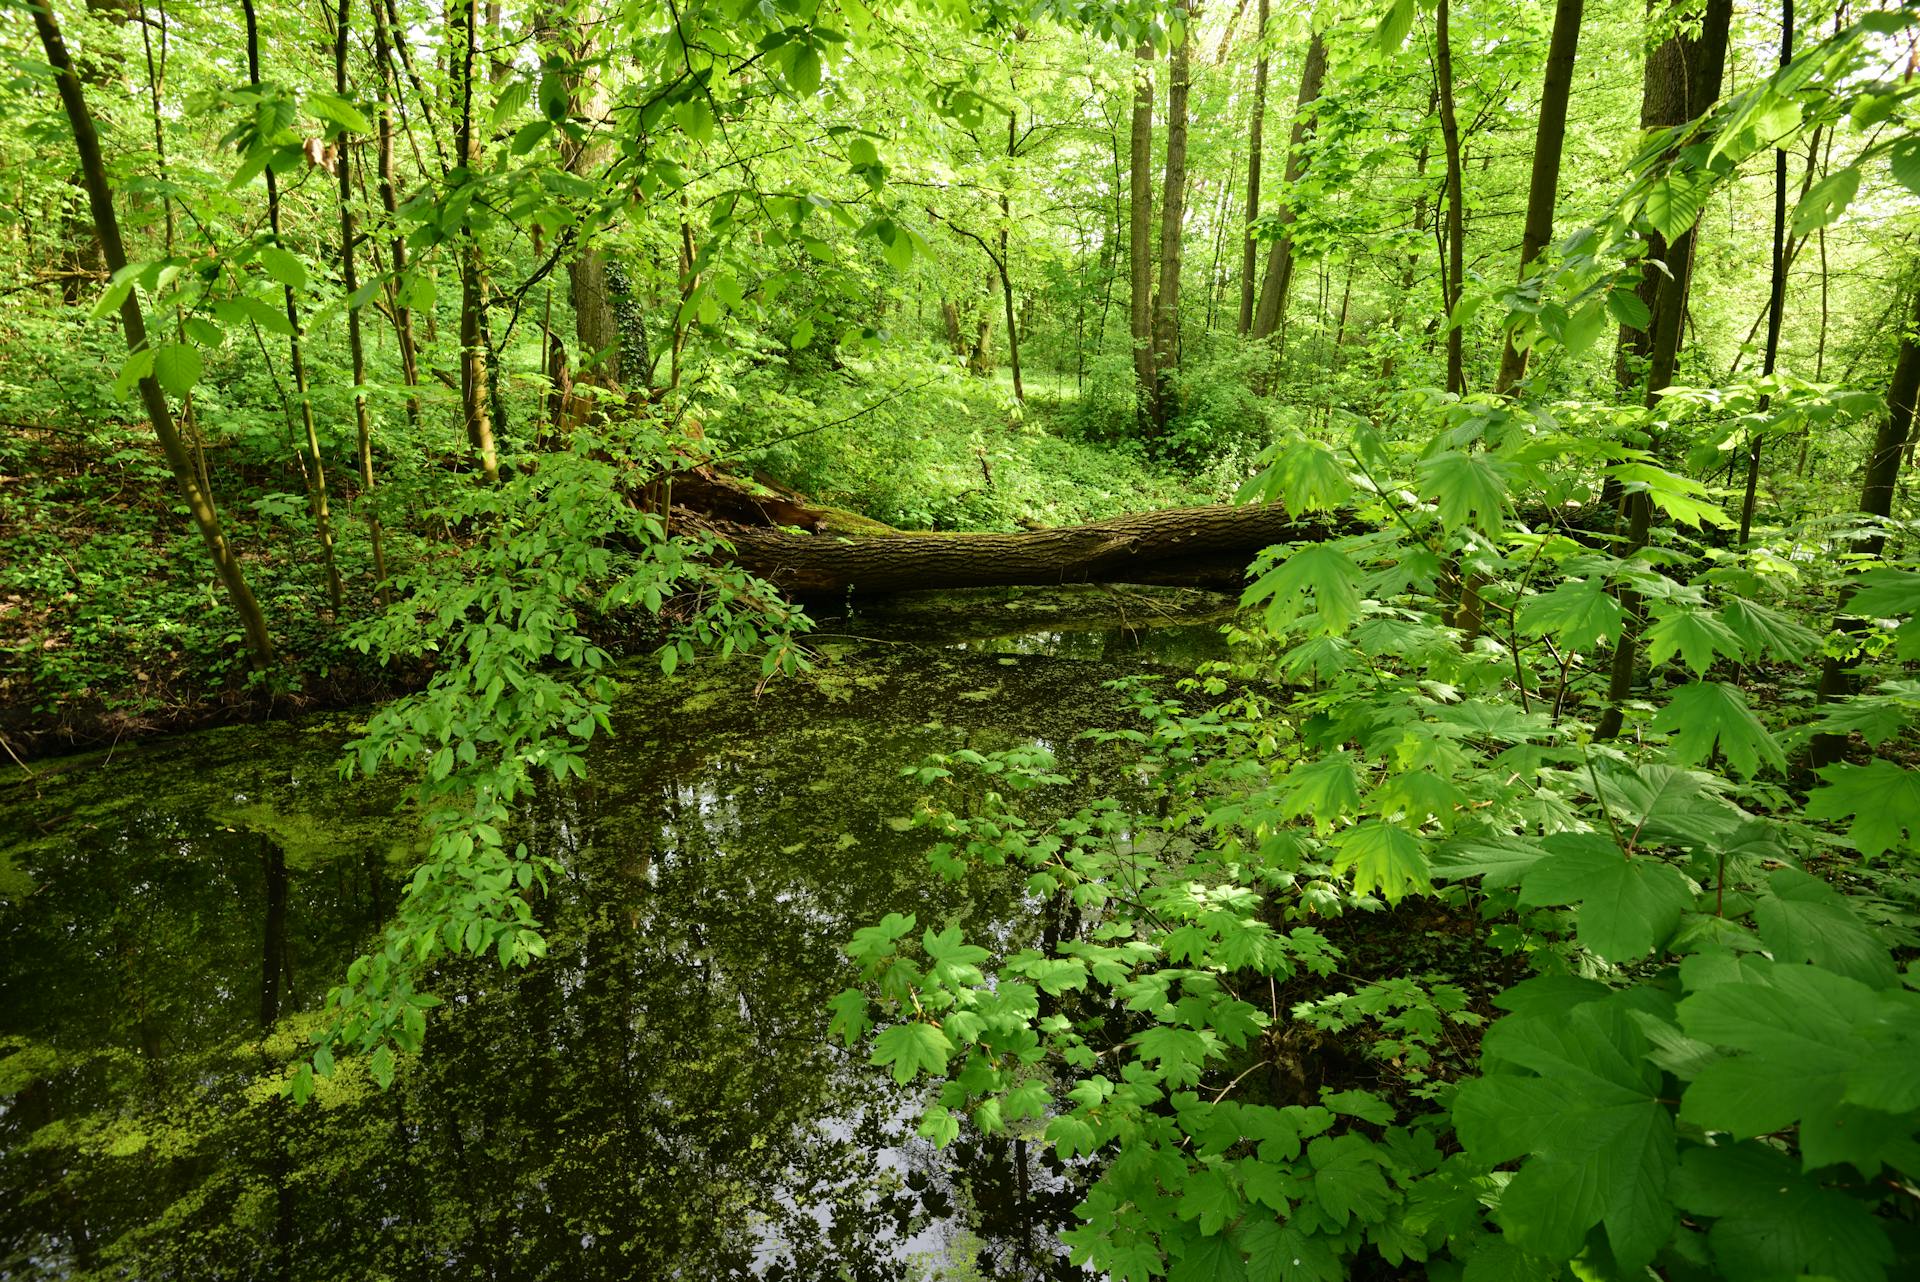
point(1385, 857)
point(802, 334)
point(137, 366)
point(695, 118)
point(1674, 200)
point(283, 266)
point(1208, 1259)
point(1277, 1252)
point(338, 110)
point(1626, 307)
point(1711, 715)
point(1826, 200)
point(1317, 568)
point(1627, 905)
point(1391, 33)
point(1767, 631)
point(1882, 799)
point(382, 1067)
point(1347, 1178)
point(1578, 614)
point(939, 1125)
point(1770, 1221)
point(1326, 788)
point(912, 1049)
point(1903, 158)
point(850, 1022)
point(1467, 487)
point(1806, 920)
point(1695, 635)
point(1590, 1116)
point(804, 72)
point(1583, 328)
point(1885, 593)
point(177, 366)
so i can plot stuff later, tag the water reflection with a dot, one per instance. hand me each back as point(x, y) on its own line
point(657, 1099)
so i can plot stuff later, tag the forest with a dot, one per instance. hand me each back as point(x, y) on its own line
point(960, 639)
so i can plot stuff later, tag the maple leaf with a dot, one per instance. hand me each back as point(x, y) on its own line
point(1467, 486)
point(1627, 905)
point(1883, 800)
point(912, 1049)
point(1711, 714)
point(1578, 614)
point(1320, 569)
point(1696, 635)
point(1766, 631)
point(1385, 857)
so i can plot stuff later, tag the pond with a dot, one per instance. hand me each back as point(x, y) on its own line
point(658, 1098)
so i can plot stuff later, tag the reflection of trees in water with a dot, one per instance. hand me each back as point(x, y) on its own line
point(657, 1098)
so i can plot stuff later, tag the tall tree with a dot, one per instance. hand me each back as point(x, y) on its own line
point(1140, 225)
point(1549, 141)
point(387, 89)
point(1250, 248)
point(596, 329)
point(350, 282)
point(1452, 274)
point(106, 224)
point(288, 275)
point(1278, 283)
point(1173, 210)
point(474, 400)
point(1776, 290)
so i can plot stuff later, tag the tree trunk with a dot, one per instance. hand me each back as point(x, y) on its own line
point(1700, 69)
point(1279, 279)
point(1456, 201)
point(1876, 499)
point(1549, 141)
point(950, 316)
point(199, 503)
point(387, 81)
point(296, 359)
point(350, 282)
point(1173, 212)
point(596, 329)
point(1777, 293)
point(1250, 248)
point(1003, 264)
point(1207, 547)
point(473, 346)
point(1140, 215)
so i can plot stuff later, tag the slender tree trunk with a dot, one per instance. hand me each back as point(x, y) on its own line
point(1001, 264)
point(1173, 210)
point(1250, 248)
point(199, 503)
point(387, 80)
point(596, 329)
point(474, 410)
point(1456, 200)
point(1140, 220)
point(1278, 284)
point(1777, 293)
point(1700, 67)
point(296, 360)
point(350, 281)
point(1876, 499)
point(1549, 140)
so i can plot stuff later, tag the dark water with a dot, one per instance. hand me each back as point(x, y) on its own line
point(658, 1098)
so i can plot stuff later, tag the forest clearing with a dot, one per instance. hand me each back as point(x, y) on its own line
point(960, 639)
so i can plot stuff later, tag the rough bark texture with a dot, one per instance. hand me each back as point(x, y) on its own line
point(106, 224)
point(1173, 213)
point(473, 347)
point(1549, 141)
point(1140, 216)
point(1200, 547)
point(1876, 499)
point(1776, 290)
point(350, 283)
point(1250, 249)
point(1279, 279)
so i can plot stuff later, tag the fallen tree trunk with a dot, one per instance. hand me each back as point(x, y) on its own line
point(1191, 547)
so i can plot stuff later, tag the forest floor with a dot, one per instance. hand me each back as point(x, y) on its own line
point(112, 626)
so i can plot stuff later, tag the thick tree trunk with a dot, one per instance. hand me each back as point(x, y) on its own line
point(1173, 213)
point(1549, 141)
point(1201, 547)
point(1279, 279)
point(1250, 248)
point(198, 502)
point(1140, 216)
point(1700, 69)
point(596, 330)
point(950, 318)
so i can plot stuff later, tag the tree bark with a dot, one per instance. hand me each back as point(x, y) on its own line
point(1876, 499)
point(350, 281)
point(1173, 212)
point(1456, 200)
point(387, 80)
point(1202, 547)
point(1278, 283)
point(464, 14)
point(1776, 294)
point(106, 225)
point(1549, 141)
point(1250, 248)
point(1700, 68)
point(296, 359)
point(596, 329)
point(1140, 217)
